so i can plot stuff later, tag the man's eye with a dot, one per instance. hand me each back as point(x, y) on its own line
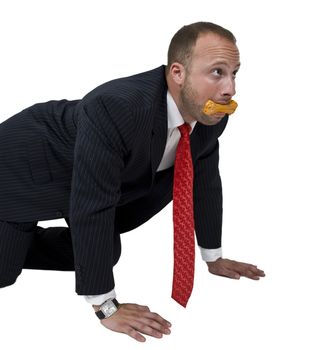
point(217, 72)
point(234, 73)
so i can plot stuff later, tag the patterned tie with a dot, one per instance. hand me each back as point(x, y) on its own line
point(184, 240)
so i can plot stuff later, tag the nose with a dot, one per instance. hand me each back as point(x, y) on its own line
point(229, 88)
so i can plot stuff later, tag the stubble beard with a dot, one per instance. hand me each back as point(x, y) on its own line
point(191, 109)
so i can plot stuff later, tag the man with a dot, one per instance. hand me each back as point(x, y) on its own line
point(105, 163)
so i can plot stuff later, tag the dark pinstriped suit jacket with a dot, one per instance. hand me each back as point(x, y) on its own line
point(94, 160)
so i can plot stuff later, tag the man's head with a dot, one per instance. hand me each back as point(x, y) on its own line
point(203, 60)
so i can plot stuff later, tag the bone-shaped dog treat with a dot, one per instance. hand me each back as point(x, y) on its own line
point(212, 107)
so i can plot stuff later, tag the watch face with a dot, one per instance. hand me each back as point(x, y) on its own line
point(108, 308)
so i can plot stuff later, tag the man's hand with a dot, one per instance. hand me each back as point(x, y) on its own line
point(134, 319)
point(234, 269)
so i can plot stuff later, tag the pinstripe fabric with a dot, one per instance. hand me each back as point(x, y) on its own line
point(10, 240)
point(94, 160)
point(36, 160)
point(28, 246)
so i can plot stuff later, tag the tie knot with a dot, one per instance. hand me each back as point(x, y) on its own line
point(184, 129)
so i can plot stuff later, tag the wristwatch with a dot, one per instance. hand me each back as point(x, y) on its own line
point(107, 309)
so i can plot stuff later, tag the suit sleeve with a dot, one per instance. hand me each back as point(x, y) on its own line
point(208, 199)
point(95, 191)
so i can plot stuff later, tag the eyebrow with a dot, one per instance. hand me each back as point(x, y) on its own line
point(224, 63)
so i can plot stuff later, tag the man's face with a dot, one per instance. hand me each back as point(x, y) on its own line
point(211, 75)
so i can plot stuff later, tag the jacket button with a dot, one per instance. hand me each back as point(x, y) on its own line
point(59, 213)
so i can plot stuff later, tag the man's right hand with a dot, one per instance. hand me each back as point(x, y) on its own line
point(134, 319)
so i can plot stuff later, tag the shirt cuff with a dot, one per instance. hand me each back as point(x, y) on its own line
point(100, 298)
point(210, 254)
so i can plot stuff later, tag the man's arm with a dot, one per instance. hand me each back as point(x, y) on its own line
point(208, 199)
point(95, 192)
point(208, 219)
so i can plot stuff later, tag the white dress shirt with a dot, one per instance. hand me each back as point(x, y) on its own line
point(174, 120)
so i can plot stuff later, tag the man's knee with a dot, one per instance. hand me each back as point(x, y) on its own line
point(14, 245)
point(6, 282)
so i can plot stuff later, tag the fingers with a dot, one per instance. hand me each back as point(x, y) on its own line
point(158, 318)
point(230, 273)
point(153, 316)
point(135, 320)
point(134, 334)
point(234, 269)
point(156, 322)
point(255, 273)
point(247, 270)
point(150, 327)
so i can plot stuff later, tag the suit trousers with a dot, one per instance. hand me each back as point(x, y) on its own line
point(25, 245)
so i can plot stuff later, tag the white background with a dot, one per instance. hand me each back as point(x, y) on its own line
point(270, 167)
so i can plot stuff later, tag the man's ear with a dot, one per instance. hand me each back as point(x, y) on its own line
point(177, 73)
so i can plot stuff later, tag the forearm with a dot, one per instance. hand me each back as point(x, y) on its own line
point(208, 200)
point(95, 192)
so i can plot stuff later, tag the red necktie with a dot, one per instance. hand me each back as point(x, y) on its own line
point(184, 240)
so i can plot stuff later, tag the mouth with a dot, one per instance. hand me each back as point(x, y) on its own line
point(212, 108)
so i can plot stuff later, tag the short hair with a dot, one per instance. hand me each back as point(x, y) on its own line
point(183, 41)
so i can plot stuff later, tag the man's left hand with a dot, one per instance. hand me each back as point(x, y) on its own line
point(234, 269)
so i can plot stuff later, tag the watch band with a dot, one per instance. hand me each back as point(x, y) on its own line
point(100, 313)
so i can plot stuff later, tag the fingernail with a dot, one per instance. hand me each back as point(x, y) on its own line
point(169, 324)
point(167, 331)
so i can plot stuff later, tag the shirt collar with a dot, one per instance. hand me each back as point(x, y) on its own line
point(174, 116)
